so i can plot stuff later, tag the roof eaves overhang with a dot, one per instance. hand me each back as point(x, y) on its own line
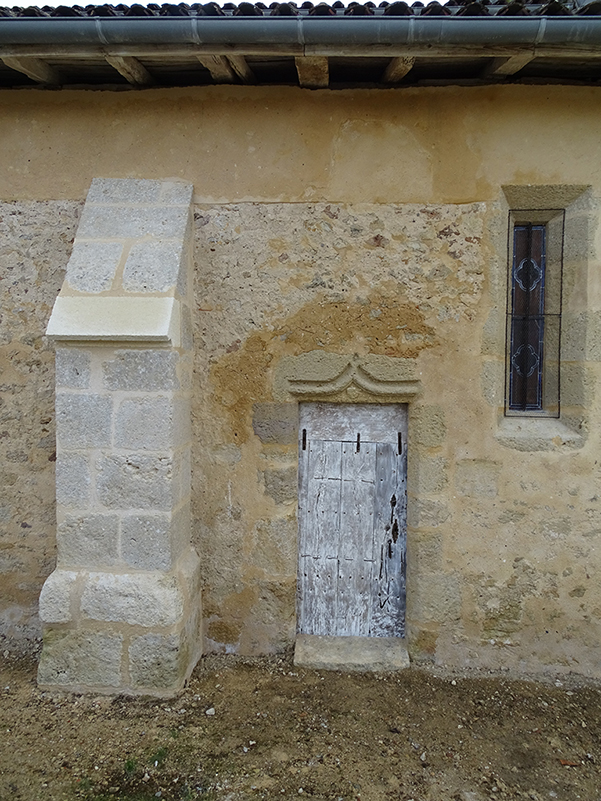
point(298, 36)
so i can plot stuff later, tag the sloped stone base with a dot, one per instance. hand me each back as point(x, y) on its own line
point(122, 648)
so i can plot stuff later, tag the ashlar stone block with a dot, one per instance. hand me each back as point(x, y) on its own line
point(426, 513)
point(152, 266)
point(428, 427)
point(140, 599)
point(153, 423)
point(156, 661)
point(132, 222)
point(83, 421)
point(135, 482)
point(425, 554)
point(56, 595)
point(124, 190)
point(93, 265)
point(281, 484)
point(182, 422)
point(431, 474)
point(145, 424)
point(187, 329)
point(276, 422)
point(147, 370)
point(73, 480)
point(89, 542)
point(189, 571)
point(182, 475)
point(72, 367)
point(146, 541)
point(81, 659)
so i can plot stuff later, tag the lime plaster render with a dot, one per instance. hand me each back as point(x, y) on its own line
point(282, 144)
point(475, 502)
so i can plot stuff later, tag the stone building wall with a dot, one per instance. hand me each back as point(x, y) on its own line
point(503, 525)
point(503, 514)
point(275, 282)
point(35, 244)
point(336, 233)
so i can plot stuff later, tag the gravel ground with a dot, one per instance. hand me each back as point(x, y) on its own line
point(252, 729)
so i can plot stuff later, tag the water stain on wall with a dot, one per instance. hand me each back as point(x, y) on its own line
point(380, 325)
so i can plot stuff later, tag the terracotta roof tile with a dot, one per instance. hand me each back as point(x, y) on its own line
point(397, 8)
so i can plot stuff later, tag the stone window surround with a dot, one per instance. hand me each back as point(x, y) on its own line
point(544, 433)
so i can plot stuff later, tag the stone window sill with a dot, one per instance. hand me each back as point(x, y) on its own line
point(537, 434)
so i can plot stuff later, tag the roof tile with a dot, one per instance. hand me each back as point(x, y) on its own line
point(287, 8)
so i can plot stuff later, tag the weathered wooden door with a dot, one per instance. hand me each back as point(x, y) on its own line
point(352, 519)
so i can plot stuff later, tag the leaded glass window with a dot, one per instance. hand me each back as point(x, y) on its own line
point(534, 313)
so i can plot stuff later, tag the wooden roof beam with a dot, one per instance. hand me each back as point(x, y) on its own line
point(187, 50)
point(242, 70)
point(313, 71)
point(131, 69)
point(397, 69)
point(35, 68)
point(225, 69)
point(220, 68)
point(502, 67)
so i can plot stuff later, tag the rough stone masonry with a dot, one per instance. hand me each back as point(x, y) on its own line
point(122, 609)
point(503, 513)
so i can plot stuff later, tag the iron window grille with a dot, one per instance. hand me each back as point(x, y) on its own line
point(534, 294)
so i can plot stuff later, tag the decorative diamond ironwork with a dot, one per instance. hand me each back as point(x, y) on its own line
point(528, 274)
point(525, 361)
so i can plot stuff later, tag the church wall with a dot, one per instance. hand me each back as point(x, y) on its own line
point(331, 227)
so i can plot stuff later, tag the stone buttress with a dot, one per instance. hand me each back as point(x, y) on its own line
point(122, 609)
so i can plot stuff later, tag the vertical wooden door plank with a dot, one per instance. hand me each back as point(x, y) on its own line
point(318, 579)
point(318, 530)
point(357, 510)
point(356, 538)
point(388, 589)
point(302, 601)
point(323, 502)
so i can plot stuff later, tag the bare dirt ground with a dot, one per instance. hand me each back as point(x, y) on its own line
point(261, 729)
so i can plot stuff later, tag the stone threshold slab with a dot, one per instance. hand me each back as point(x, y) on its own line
point(351, 653)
